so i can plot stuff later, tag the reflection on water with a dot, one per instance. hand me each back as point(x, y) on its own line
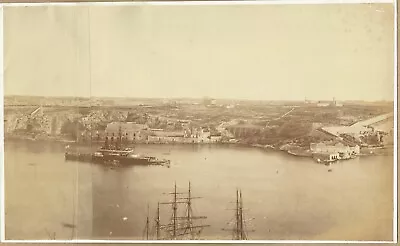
point(289, 197)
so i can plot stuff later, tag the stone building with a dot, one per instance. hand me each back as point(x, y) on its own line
point(130, 130)
point(342, 150)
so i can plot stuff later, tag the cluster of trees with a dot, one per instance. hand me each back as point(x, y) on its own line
point(290, 130)
point(72, 128)
point(350, 139)
point(294, 129)
point(371, 139)
point(84, 110)
point(365, 111)
point(138, 118)
point(33, 126)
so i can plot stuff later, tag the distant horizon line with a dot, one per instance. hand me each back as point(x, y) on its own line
point(200, 98)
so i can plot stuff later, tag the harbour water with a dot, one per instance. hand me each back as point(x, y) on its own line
point(288, 197)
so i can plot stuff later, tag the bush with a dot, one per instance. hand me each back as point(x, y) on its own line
point(72, 128)
point(370, 139)
point(33, 126)
point(293, 129)
point(84, 110)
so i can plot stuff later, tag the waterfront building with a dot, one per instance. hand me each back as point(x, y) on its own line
point(326, 157)
point(214, 138)
point(321, 104)
point(339, 149)
point(131, 130)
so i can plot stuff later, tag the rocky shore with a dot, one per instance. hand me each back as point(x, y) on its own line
point(386, 150)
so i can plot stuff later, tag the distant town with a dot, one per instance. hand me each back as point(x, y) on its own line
point(324, 130)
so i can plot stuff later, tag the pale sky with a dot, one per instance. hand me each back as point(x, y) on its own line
point(262, 52)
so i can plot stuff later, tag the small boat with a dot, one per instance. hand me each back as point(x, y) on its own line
point(330, 168)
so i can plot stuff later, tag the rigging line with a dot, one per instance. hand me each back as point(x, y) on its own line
point(51, 236)
point(147, 222)
point(158, 222)
point(152, 232)
point(242, 232)
point(174, 212)
point(189, 201)
point(144, 232)
point(237, 215)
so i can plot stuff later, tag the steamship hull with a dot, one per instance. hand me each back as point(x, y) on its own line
point(120, 160)
point(123, 160)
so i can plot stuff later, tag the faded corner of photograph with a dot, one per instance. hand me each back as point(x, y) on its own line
point(199, 122)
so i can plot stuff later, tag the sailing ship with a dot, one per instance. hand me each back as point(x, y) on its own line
point(239, 230)
point(182, 223)
point(115, 152)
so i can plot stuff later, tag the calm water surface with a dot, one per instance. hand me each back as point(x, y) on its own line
point(288, 197)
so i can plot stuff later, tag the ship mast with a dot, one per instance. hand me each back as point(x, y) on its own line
point(189, 212)
point(158, 222)
point(147, 228)
point(174, 215)
point(239, 230)
point(242, 233)
point(181, 226)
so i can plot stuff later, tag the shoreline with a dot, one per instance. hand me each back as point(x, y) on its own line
point(365, 151)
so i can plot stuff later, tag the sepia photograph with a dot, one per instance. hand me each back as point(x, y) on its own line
point(211, 121)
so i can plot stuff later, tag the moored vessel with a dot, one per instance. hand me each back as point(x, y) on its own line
point(183, 224)
point(114, 153)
